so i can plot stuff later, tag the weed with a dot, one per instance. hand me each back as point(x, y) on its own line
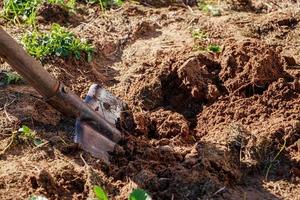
point(137, 194)
point(20, 10)
point(100, 193)
point(104, 4)
point(70, 4)
point(11, 78)
point(197, 34)
point(37, 197)
point(209, 7)
point(58, 42)
point(275, 159)
point(26, 10)
point(202, 42)
point(24, 134)
point(214, 48)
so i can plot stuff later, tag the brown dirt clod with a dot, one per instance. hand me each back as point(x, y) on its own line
point(249, 66)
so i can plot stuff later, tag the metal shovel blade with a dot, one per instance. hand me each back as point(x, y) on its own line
point(89, 135)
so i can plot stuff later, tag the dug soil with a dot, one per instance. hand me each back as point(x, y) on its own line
point(209, 125)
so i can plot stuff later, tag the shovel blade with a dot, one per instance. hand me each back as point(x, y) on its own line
point(93, 141)
point(91, 137)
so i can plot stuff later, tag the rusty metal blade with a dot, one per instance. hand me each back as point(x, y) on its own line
point(88, 134)
point(93, 141)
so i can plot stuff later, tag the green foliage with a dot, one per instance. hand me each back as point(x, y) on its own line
point(197, 34)
point(11, 78)
point(209, 7)
point(70, 4)
point(214, 48)
point(26, 10)
point(20, 10)
point(100, 193)
point(273, 161)
point(139, 194)
point(202, 42)
point(26, 133)
point(104, 4)
point(37, 197)
point(58, 42)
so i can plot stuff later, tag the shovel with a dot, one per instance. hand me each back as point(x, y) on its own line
point(99, 118)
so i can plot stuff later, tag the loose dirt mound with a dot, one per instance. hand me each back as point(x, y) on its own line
point(49, 13)
point(52, 13)
point(64, 181)
point(249, 66)
point(174, 92)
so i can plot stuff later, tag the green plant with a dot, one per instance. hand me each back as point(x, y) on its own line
point(139, 194)
point(275, 159)
point(24, 134)
point(58, 42)
point(20, 10)
point(136, 194)
point(11, 78)
point(104, 4)
point(70, 4)
point(209, 7)
point(100, 193)
point(197, 34)
point(29, 136)
point(37, 197)
point(26, 10)
point(214, 48)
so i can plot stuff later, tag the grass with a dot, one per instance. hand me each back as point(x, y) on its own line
point(57, 42)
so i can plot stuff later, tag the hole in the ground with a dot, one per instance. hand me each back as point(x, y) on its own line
point(33, 182)
point(178, 99)
point(251, 90)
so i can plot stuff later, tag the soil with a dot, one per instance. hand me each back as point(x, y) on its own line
point(56, 13)
point(208, 125)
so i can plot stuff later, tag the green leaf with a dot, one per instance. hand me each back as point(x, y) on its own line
point(25, 129)
point(58, 41)
point(37, 141)
point(11, 78)
point(37, 197)
point(214, 48)
point(90, 57)
point(139, 194)
point(100, 193)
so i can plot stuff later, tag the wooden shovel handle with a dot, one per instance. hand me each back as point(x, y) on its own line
point(30, 69)
point(57, 95)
